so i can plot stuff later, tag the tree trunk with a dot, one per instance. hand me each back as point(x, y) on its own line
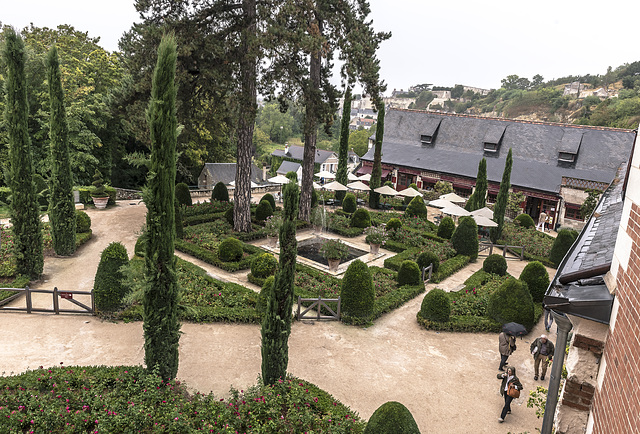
point(247, 118)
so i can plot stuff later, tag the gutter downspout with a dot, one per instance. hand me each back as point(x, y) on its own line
point(564, 327)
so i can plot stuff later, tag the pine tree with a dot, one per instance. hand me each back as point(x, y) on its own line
point(501, 200)
point(376, 172)
point(341, 176)
point(276, 325)
point(62, 213)
point(161, 326)
point(25, 215)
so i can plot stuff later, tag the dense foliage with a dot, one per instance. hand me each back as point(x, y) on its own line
point(83, 221)
point(501, 201)
point(446, 227)
point(563, 242)
point(361, 218)
point(220, 192)
point(264, 210)
point(357, 291)
point(264, 265)
point(495, 264)
point(512, 302)
point(537, 279)
point(465, 238)
point(525, 221)
point(230, 250)
point(183, 196)
point(428, 258)
point(409, 274)
point(349, 202)
point(417, 208)
point(392, 418)
point(393, 224)
point(108, 287)
point(436, 306)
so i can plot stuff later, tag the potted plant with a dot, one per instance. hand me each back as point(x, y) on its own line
point(98, 193)
point(272, 227)
point(375, 236)
point(334, 251)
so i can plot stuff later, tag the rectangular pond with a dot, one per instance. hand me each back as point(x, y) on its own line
point(310, 249)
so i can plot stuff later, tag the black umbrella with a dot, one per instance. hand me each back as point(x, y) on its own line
point(514, 329)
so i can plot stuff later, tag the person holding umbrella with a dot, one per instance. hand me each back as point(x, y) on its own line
point(542, 351)
point(506, 345)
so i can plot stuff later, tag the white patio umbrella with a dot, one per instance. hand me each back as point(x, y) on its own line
point(365, 177)
point(484, 221)
point(455, 210)
point(452, 197)
point(440, 203)
point(386, 190)
point(485, 212)
point(352, 177)
point(316, 186)
point(280, 179)
point(358, 185)
point(335, 186)
point(409, 192)
point(325, 174)
point(253, 184)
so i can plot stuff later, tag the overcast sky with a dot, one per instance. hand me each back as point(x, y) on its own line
point(442, 42)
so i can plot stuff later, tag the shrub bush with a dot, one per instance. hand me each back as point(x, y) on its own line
point(392, 418)
point(393, 224)
point(108, 287)
point(357, 293)
point(269, 197)
point(183, 195)
point(512, 302)
point(495, 264)
point(264, 265)
point(561, 245)
point(446, 228)
point(228, 216)
point(525, 221)
point(409, 274)
point(264, 210)
point(537, 279)
point(220, 192)
point(230, 250)
point(83, 222)
point(263, 300)
point(140, 247)
point(426, 258)
point(361, 219)
point(349, 203)
point(465, 238)
point(436, 306)
point(416, 208)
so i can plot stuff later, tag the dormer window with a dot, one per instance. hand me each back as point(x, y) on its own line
point(425, 139)
point(490, 147)
point(566, 157)
point(493, 137)
point(429, 131)
point(570, 146)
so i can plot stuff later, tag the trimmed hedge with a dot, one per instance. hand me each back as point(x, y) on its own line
point(83, 222)
point(561, 245)
point(525, 220)
point(220, 192)
point(465, 238)
point(417, 208)
point(361, 219)
point(394, 223)
point(203, 218)
point(357, 292)
point(264, 265)
point(511, 302)
point(183, 195)
point(212, 257)
point(108, 287)
point(230, 250)
point(264, 210)
point(409, 274)
point(495, 264)
point(428, 258)
point(449, 267)
point(537, 279)
point(272, 201)
point(392, 418)
point(446, 228)
point(349, 203)
point(436, 306)
point(462, 323)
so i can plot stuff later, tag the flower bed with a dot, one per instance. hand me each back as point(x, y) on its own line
point(129, 399)
point(202, 208)
point(535, 243)
point(206, 250)
point(444, 251)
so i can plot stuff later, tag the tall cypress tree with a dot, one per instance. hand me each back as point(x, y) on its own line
point(276, 325)
point(501, 201)
point(376, 172)
point(343, 153)
point(479, 197)
point(25, 215)
point(161, 325)
point(62, 212)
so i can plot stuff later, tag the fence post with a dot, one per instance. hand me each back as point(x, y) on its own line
point(319, 308)
point(28, 298)
point(430, 271)
point(338, 308)
point(491, 248)
point(504, 251)
point(522, 254)
point(298, 315)
point(56, 305)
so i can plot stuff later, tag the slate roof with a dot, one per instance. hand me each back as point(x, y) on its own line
point(459, 146)
point(226, 172)
point(287, 166)
point(297, 153)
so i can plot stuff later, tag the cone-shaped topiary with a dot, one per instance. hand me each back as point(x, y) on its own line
point(446, 228)
point(500, 207)
point(265, 293)
point(416, 208)
point(269, 197)
point(220, 192)
point(183, 196)
point(525, 221)
point(361, 219)
point(465, 238)
point(409, 274)
point(495, 264)
point(230, 250)
point(392, 418)
point(179, 220)
point(357, 293)
point(108, 288)
point(349, 203)
point(343, 150)
point(561, 245)
point(511, 302)
point(436, 306)
point(393, 224)
point(264, 265)
point(426, 258)
point(264, 210)
point(536, 277)
point(83, 222)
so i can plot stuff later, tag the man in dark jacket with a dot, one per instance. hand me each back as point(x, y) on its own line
point(506, 346)
point(508, 378)
point(542, 351)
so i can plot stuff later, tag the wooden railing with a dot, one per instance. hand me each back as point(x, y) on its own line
point(424, 273)
point(318, 303)
point(506, 249)
point(56, 294)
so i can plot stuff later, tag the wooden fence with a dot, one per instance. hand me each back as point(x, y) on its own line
point(424, 273)
point(56, 296)
point(318, 303)
point(506, 250)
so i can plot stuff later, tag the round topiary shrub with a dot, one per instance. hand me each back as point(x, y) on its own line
point(561, 245)
point(230, 250)
point(536, 277)
point(108, 287)
point(511, 302)
point(183, 195)
point(392, 418)
point(495, 264)
point(264, 266)
point(265, 292)
point(269, 197)
point(416, 208)
point(446, 228)
point(436, 306)
point(409, 274)
point(393, 224)
point(465, 238)
point(220, 192)
point(356, 293)
point(426, 258)
point(349, 203)
point(264, 210)
point(525, 221)
point(228, 216)
point(83, 222)
point(361, 219)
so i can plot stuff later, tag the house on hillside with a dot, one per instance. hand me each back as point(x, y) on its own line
point(361, 122)
point(325, 160)
point(290, 166)
point(212, 173)
point(553, 164)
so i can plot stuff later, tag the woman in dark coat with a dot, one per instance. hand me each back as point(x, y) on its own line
point(508, 378)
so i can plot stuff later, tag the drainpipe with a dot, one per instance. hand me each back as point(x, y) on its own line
point(564, 327)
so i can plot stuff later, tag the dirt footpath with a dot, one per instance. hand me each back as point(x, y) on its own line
point(447, 380)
